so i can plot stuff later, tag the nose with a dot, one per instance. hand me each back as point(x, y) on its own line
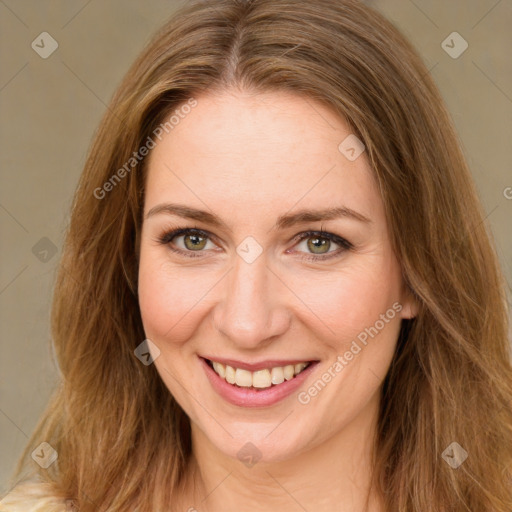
point(252, 311)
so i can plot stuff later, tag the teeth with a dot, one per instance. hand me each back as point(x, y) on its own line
point(277, 375)
point(219, 368)
point(259, 379)
point(243, 378)
point(289, 371)
point(230, 374)
point(299, 367)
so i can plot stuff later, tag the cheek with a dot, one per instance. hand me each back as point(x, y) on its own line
point(337, 305)
point(346, 302)
point(171, 300)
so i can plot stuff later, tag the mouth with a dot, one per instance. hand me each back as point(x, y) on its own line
point(256, 385)
point(259, 379)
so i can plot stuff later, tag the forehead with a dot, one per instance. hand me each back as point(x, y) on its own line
point(251, 152)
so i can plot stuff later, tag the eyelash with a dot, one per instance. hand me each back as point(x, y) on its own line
point(168, 236)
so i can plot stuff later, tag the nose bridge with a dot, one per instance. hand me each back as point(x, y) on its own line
point(249, 312)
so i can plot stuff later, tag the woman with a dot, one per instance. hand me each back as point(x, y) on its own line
point(277, 291)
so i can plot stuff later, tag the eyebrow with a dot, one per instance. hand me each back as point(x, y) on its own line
point(284, 221)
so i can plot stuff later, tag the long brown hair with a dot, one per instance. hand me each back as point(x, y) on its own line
point(123, 442)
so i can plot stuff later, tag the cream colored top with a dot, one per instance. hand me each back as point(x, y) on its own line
point(33, 497)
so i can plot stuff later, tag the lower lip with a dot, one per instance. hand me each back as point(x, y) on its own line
point(251, 397)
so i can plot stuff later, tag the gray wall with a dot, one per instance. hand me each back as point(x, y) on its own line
point(51, 107)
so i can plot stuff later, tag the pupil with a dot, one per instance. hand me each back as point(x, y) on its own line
point(194, 241)
point(318, 243)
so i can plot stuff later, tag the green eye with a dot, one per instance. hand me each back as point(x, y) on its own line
point(194, 242)
point(317, 243)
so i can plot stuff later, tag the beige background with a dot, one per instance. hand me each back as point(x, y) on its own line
point(51, 107)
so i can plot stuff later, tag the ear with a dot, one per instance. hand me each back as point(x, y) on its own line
point(410, 305)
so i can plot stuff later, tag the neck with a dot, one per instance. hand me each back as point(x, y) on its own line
point(335, 474)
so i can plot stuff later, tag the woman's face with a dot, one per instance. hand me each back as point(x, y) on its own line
point(251, 289)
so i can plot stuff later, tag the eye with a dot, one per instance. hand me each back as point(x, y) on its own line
point(318, 243)
point(187, 241)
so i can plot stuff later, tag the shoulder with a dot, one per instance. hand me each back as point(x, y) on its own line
point(33, 497)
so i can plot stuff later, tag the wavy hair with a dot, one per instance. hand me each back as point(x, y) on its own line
point(123, 441)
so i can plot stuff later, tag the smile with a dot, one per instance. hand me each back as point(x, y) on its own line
point(256, 384)
point(260, 379)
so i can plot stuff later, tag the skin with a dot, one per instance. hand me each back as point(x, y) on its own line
point(249, 158)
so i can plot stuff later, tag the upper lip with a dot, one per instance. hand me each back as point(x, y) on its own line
point(259, 365)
